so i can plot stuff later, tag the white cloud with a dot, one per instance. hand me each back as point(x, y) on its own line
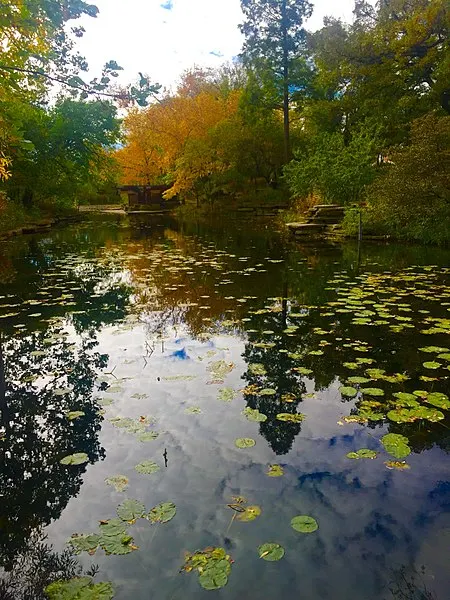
point(164, 37)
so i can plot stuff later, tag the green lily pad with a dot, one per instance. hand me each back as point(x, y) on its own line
point(304, 524)
point(270, 551)
point(162, 513)
point(275, 471)
point(363, 453)
point(112, 528)
point(444, 356)
point(372, 391)
point(267, 392)
point(244, 442)
point(119, 482)
point(254, 415)
point(147, 436)
point(226, 394)
point(84, 543)
point(130, 510)
point(250, 513)
point(147, 467)
point(404, 396)
point(402, 415)
point(79, 588)
point(400, 465)
point(432, 364)
point(75, 459)
point(349, 392)
point(257, 369)
point(117, 544)
point(74, 414)
point(193, 410)
point(434, 349)
point(438, 399)
point(213, 578)
point(302, 370)
point(396, 444)
point(291, 418)
point(357, 379)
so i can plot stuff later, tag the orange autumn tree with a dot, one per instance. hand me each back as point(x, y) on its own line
point(168, 141)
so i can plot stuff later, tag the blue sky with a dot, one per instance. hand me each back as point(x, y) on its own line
point(164, 37)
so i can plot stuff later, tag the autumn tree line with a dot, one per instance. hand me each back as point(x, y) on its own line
point(355, 114)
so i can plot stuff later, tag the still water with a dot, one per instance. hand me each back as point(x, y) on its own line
point(128, 343)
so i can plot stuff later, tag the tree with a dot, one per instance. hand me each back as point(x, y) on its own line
point(274, 37)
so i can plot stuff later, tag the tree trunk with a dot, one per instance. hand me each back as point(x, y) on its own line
point(287, 144)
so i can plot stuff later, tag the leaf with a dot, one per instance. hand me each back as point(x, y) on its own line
point(213, 578)
point(112, 528)
point(117, 545)
point(254, 415)
point(396, 444)
point(397, 464)
point(130, 510)
point(363, 453)
point(147, 467)
point(434, 349)
point(193, 410)
point(302, 370)
point(304, 524)
point(250, 514)
point(119, 482)
point(372, 391)
point(226, 394)
point(432, 364)
point(438, 399)
point(275, 471)
point(267, 392)
point(75, 459)
point(270, 551)
point(74, 414)
point(79, 588)
point(162, 513)
point(257, 369)
point(84, 542)
point(357, 379)
point(244, 442)
point(147, 436)
point(292, 418)
point(350, 392)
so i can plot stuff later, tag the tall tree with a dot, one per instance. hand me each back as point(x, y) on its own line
point(274, 38)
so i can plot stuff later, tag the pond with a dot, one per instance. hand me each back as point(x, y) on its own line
point(180, 392)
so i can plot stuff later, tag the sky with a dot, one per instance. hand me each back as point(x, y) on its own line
point(162, 38)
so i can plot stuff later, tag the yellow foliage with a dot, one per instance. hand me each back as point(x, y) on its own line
point(167, 137)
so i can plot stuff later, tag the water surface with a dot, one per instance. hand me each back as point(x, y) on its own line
point(162, 322)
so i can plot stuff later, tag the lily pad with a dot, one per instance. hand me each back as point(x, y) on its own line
point(119, 482)
point(302, 370)
point(117, 544)
point(84, 543)
point(213, 566)
point(434, 349)
point(79, 588)
point(257, 369)
point(75, 459)
point(396, 444)
point(244, 442)
point(112, 528)
point(270, 551)
point(147, 436)
point(438, 399)
point(130, 510)
point(162, 513)
point(213, 578)
point(253, 414)
point(400, 465)
point(349, 392)
point(226, 394)
point(250, 513)
point(372, 391)
point(304, 524)
point(291, 418)
point(275, 471)
point(74, 414)
point(362, 453)
point(147, 467)
point(267, 392)
point(357, 379)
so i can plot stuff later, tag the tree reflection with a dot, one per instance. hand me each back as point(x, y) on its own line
point(36, 566)
point(42, 377)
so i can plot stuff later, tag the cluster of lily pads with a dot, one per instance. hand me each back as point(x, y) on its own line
point(394, 443)
point(113, 536)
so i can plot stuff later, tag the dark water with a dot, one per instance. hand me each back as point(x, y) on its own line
point(133, 320)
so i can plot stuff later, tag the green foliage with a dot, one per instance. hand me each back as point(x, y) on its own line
point(337, 171)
